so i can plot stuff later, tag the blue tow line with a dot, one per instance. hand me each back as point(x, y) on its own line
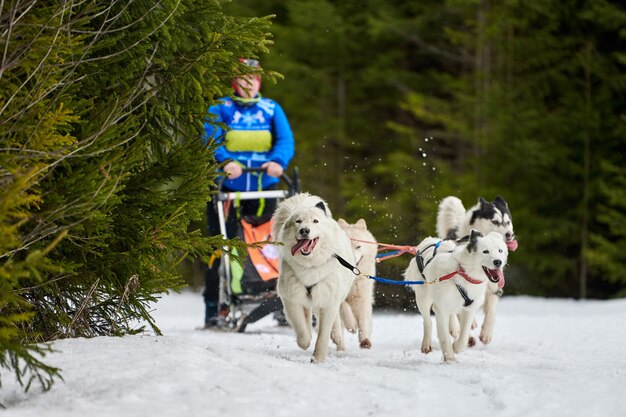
point(382, 255)
point(394, 282)
point(356, 271)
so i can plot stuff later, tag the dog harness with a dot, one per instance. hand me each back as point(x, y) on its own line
point(356, 271)
point(309, 288)
point(421, 265)
point(466, 300)
point(420, 259)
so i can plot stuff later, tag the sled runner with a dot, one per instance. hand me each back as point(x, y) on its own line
point(247, 292)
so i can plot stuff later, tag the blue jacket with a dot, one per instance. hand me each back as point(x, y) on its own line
point(257, 133)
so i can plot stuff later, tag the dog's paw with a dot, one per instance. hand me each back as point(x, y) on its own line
point(365, 344)
point(315, 359)
point(426, 348)
point(485, 337)
point(449, 359)
point(471, 342)
point(474, 324)
point(458, 346)
point(303, 342)
point(337, 339)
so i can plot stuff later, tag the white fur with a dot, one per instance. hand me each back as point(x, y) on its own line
point(356, 311)
point(444, 297)
point(286, 208)
point(453, 216)
point(330, 281)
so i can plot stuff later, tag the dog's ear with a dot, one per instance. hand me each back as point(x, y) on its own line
point(501, 204)
point(482, 201)
point(321, 206)
point(361, 224)
point(473, 240)
point(342, 222)
point(462, 240)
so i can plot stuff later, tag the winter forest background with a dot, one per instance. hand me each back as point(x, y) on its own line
point(394, 105)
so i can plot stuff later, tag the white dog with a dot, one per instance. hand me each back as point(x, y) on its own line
point(453, 222)
point(311, 279)
point(356, 311)
point(458, 273)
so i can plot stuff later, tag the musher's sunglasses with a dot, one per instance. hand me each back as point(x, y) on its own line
point(250, 62)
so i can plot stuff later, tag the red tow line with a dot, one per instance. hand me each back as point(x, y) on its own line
point(398, 249)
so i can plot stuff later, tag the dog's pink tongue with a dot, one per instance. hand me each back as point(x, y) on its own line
point(500, 278)
point(299, 244)
point(512, 245)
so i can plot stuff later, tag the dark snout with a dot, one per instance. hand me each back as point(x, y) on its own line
point(497, 263)
point(304, 232)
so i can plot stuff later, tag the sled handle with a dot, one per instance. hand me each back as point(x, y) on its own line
point(288, 181)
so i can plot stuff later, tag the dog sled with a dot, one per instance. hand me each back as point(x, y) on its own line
point(247, 292)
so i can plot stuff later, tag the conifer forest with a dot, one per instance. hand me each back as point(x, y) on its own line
point(394, 105)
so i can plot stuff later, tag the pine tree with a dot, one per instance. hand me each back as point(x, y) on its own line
point(102, 164)
point(528, 121)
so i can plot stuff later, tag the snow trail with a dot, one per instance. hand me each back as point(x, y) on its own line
point(549, 357)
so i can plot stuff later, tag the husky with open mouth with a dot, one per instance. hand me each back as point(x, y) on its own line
point(453, 222)
point(312, 281)
point(455, 274)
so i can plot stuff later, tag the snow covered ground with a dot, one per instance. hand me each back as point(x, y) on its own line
point(549, 358)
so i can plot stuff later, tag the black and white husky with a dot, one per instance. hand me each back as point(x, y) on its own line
point(454, 221)
point(456, 275)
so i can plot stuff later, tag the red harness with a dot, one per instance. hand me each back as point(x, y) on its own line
point(462, 273)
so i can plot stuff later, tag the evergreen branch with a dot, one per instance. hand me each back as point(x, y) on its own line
point(39, 66)
point(6, 45)
point(38, 234)
point(87, 49)
point(112, 119)
point(107, 31)
point(132, 46)
point(48, 282)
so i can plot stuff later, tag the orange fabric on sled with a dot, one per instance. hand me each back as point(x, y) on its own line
point(264, 258)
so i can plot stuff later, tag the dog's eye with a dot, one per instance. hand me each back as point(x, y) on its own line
point(316, 221)
point(485, 251)
point(495, 222)
point(298, 221)
point(358, 247)
point(500, 250)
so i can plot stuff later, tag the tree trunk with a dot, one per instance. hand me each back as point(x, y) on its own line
point(584, 235)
